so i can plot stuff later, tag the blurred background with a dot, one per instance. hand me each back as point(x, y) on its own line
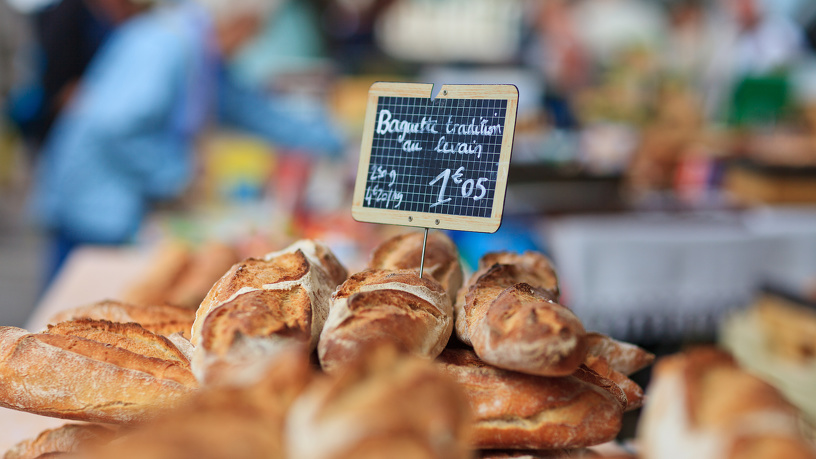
point(664, 156)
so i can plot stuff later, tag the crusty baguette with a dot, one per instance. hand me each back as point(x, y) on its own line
point(250, 326)
point(404, 251)
point(78, 378)
point(377, 307)
point(520, 411)
point(306, 263)
point(702, 405)
point(162, 319)
point(383, 405)
point(537, 454)
point(523, 330)
point(70, 438)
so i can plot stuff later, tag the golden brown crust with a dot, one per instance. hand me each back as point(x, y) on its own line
point(535, 264)
point(377, 307)
point(404, 251)
point(69, 438)
point(162, 319)
point(128, 336)
point(523, 330)
point(371, 277)
point(622, 357)
point(519, 411)
point(76, 378)
point(286, 314)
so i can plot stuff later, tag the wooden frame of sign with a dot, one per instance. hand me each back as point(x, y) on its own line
point(436, 163)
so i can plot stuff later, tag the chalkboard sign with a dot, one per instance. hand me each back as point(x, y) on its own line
point(436, 163)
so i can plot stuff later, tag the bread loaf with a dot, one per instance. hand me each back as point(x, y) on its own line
point(702, 405)
point(520, 411)
point(377, 307)
point(260, 305)
point(160, 319)
point(405, 252)
point(170, 262)
point(537, 454)
point(91, 371)
point(633, 392)
point(308, 264)
point(380, 406)
point(514, 325)
point(70, 438)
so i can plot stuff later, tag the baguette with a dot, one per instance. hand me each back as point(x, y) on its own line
point(376, 307)
point(70, 438)
point(261, 305)
point(161, 319)
point(308, 264)
point(520, 411)
point(92, 371)
point(514, 325)
point(624, 358)
point(206, 266)
point(405, 252)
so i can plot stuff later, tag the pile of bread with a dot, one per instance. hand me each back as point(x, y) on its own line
point(288, 356)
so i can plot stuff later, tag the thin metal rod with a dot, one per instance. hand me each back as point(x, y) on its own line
point(422, 260)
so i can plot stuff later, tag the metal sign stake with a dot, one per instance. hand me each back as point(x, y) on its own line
point(422, 260)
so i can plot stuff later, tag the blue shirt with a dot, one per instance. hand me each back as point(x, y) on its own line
point(127, 137)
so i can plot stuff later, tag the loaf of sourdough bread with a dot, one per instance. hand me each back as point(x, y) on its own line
point(405, 252)
point(92, 371)
point(384, 307)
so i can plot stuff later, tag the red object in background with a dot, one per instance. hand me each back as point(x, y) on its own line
point(695, 177)
point(290, 180)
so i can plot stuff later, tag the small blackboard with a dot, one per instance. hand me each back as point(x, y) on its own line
point(436, 163)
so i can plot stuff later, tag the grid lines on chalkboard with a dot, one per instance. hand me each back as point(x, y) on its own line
point(435, 156)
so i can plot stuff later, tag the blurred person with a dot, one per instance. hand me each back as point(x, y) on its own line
point(67, 34)
point(126, 140)
point(752, 42)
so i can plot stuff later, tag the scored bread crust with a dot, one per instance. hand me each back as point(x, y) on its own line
point(77, 378)
point(163, 319)
point(404, 251)
point(376, 307)
point(523, 330)
point(275, 273)
point(519, 411)
point(536, 264)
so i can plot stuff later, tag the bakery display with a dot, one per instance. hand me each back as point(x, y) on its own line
point(385, 307)
point(92, 371)
point(162, 319)
point(404, 251)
